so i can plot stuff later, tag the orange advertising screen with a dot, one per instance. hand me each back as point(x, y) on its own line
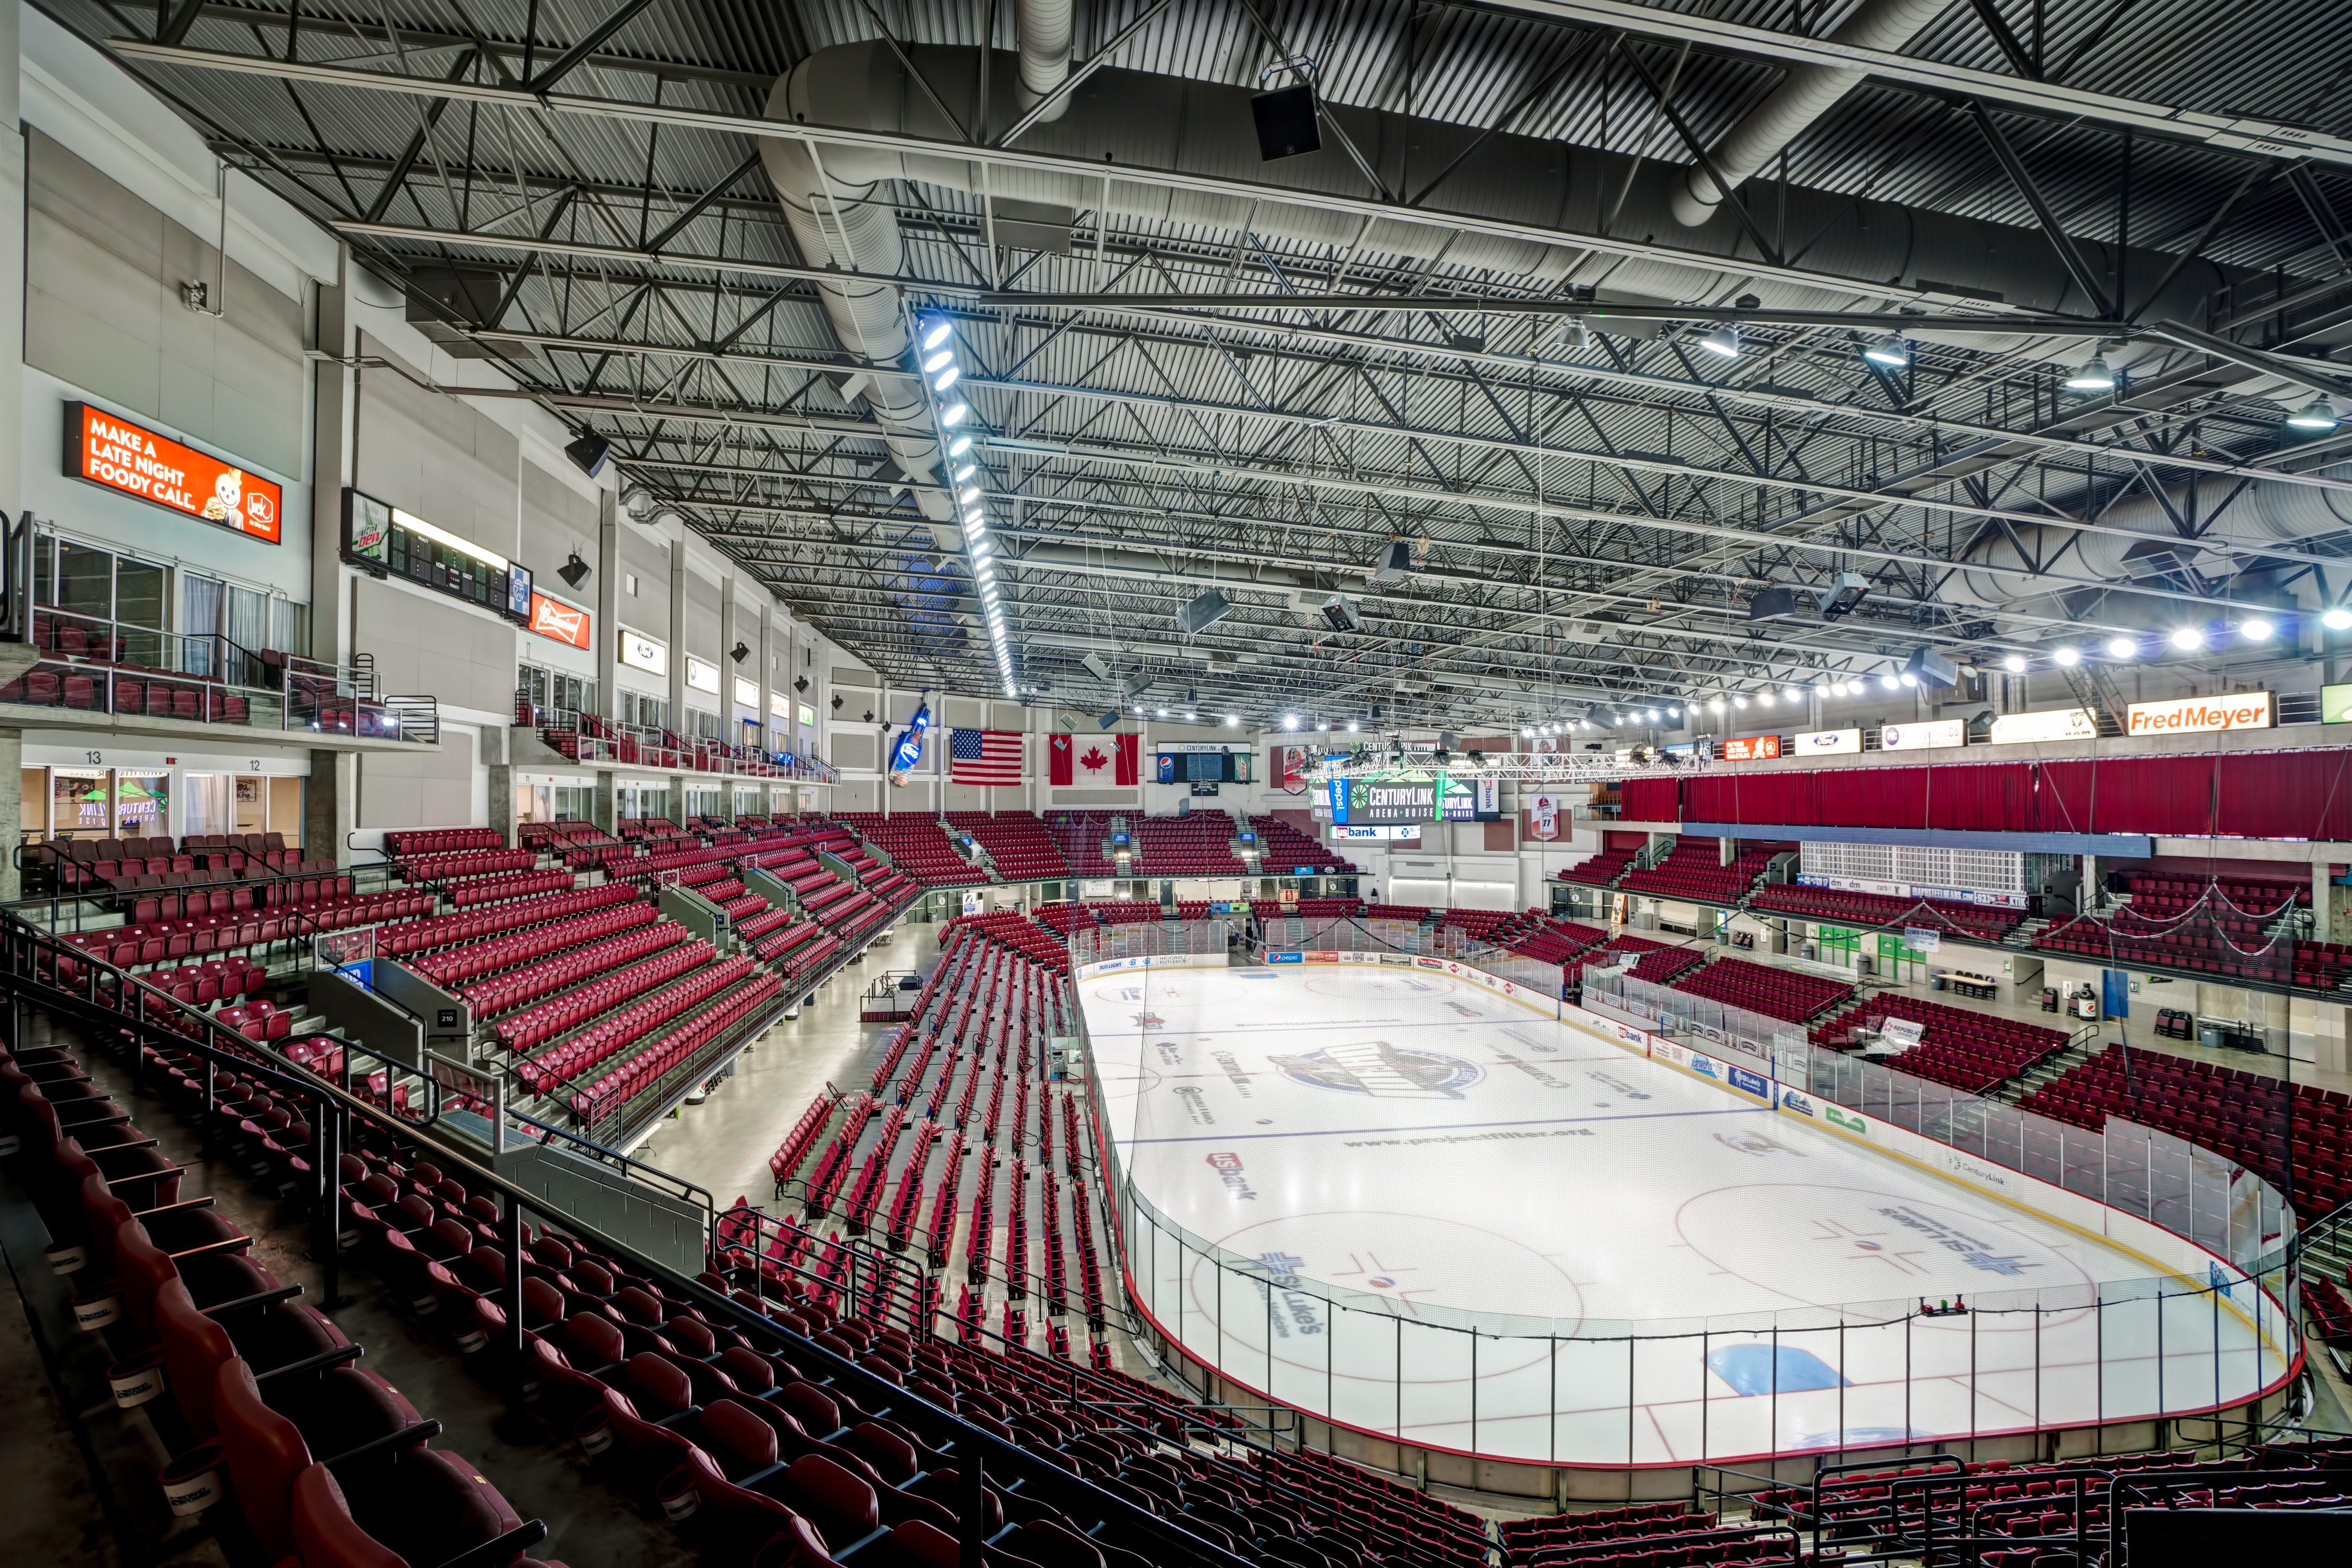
point(1754, 748)
point(116, 454)
point(553, 618)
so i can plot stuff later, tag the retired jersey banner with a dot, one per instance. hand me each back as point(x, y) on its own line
point(1290, 765)
point(1543, 817)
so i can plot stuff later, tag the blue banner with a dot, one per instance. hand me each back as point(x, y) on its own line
point(907, 750)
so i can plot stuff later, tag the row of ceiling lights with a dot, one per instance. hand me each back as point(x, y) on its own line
point(2094, 376)
point(940, 372)
point(2120, 648)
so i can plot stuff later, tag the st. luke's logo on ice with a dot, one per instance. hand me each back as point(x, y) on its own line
point(1382, 1071)
point(1279, 1283)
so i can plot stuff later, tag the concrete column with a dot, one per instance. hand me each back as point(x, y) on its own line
point(729, 730)
point(677, 799)
point(606, 810)
point(678, 637)
point(335, 396)
point(502, 802)
point(608, 617)
point(766, 653)
point(12, 760)
point(1726, 851)
point(331, 806)
point(2327, 903)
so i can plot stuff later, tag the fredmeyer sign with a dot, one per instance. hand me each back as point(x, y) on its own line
point(115, 454)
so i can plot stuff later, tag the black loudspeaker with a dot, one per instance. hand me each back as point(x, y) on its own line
point(1285, 122)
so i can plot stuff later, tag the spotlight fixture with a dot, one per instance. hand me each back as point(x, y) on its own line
point(2337, 619)
point(2121, 647)
point(1290, 721)
point(937, 332)
point(2256, 630)
point(1231, 719)
point(965, 472)
point(1894, 352)
point(2318, 415)
point(2014, 664)
point(574, 571)
point(1353, 727)
point(1790, 694)
point(2188, 639)
point(739, 651)
point(1322, 725)
point(1715, 706)
point(953, 413)
point(1764, 698)
point(960, 445)
point(2066, 657)
point(1890, 682)
point(1723, 340)
point(946, 379)
point(1907, 678)
point(2093, 377)
point(939, 362)
point(1192, 717)
point(588, 452)
point(1653, 715)
point(1740, 702)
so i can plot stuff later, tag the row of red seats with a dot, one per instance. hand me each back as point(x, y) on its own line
point(534, 1026)
point(557, 928)
point(2199, 949)
point(404, 843)
point(441, 930)
point(328, 1465)
point(500, 993)
point(1975, 922)
point(463, 862)
point(1019, 843)
point(615, 1034)
point(1760, 988)
point(161, 941)
point(514, 884)
point(1600, 870)
point(641, 1071)
point(128, 689)
point(1283, 847)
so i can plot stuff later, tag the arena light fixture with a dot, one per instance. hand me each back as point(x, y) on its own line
point(2337, 619)
point(1653, 715)
point(1764, 698)
point(1716, 705)
point(1353, 727)
point(2188, 639)
point(2014, 664)
point(939, 362)
point(1723, 340)
point(2067, 657)
point(1231, 719)
point(965, 472)
point(1162, 713)
point(969, 495)
point(1890, 682)
point(1740, 702)
point(1192, 717)
point(960, 445)
point(1908, 679)
point(1139, 710)
point(2318, 415)
point(1893, 351)
point(2121, 647)
point(954, 413)
point(946, 379)
point(1289, 720)
point(2095, 376)
point(1792, 695)
point(937, 332)
point(1322, 725)
point(2256, 630)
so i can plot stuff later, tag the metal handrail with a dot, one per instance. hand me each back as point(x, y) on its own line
point(22, 951)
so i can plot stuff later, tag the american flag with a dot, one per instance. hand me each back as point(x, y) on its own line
point(984, 757)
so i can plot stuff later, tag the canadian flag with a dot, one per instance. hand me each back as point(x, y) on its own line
point(1058, 761)
point(1130, 749)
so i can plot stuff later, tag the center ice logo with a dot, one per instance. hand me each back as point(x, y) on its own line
point(1382, 1071)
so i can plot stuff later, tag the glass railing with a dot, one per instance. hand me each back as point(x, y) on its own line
point(2208, 1336)
point(92, 665)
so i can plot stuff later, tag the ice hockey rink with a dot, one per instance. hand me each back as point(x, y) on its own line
point(1657, 1268)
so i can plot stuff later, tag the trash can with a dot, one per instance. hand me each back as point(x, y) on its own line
point(2209, 1034)
point(1935, 982)
point(1812, 952)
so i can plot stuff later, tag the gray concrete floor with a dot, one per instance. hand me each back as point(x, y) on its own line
point(723, 1144)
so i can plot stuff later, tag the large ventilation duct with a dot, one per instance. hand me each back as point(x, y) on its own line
point(1044, 27)
point(1804, 95)
point(1141, 119)
point(2266, 514)
point(834, 222)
